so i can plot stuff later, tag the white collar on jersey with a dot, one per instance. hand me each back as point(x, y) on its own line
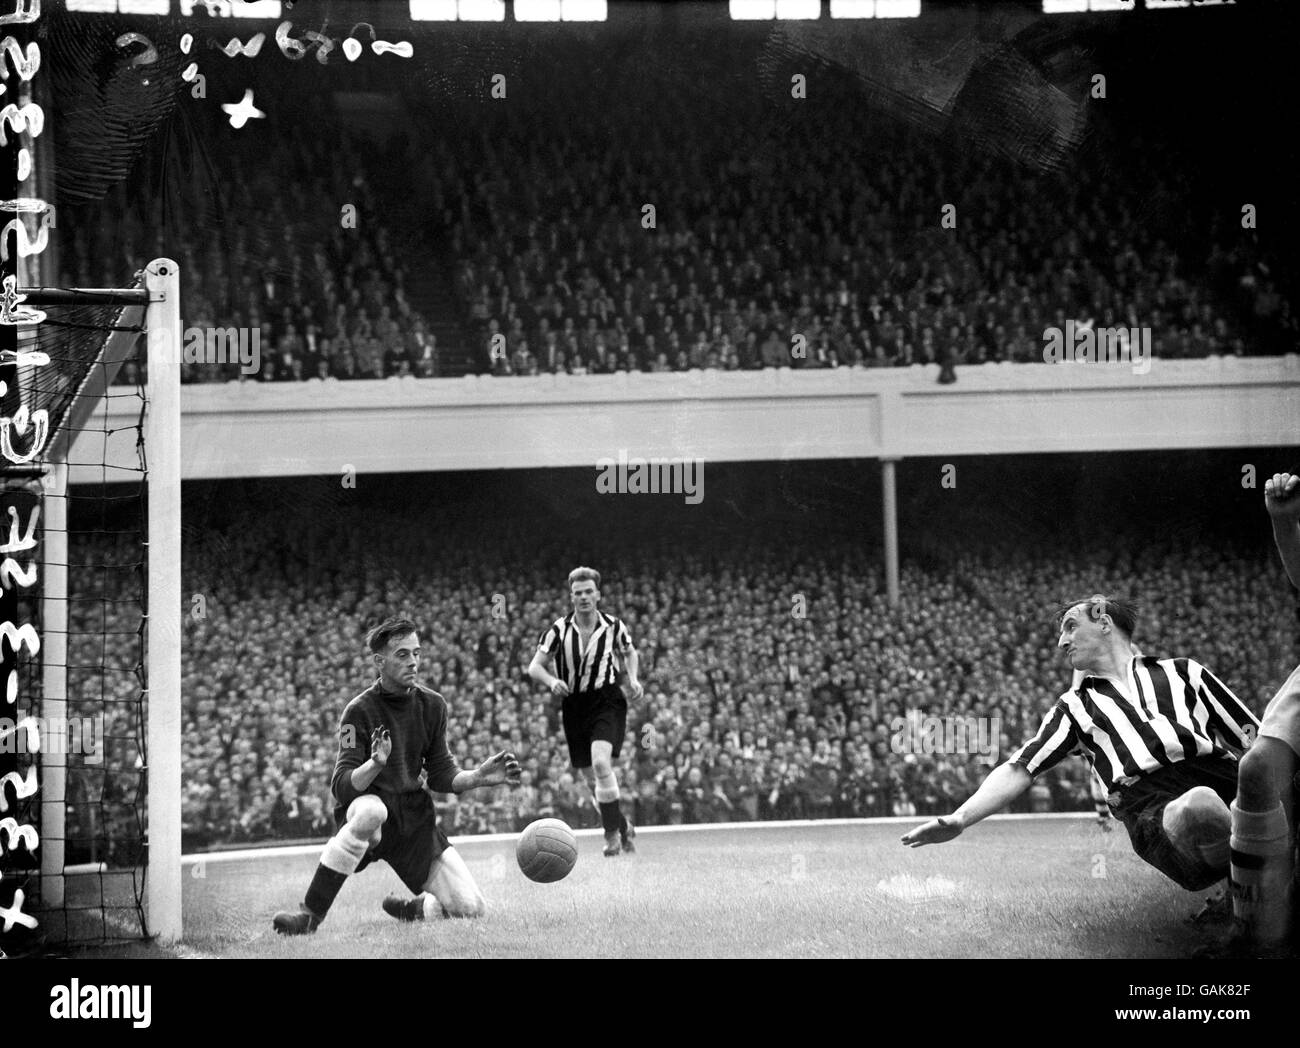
point(1126, 684)
point(600, 622)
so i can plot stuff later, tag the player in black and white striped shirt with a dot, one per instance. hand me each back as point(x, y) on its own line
point(1097, 788)
point(1163, 736)
point(581, 658)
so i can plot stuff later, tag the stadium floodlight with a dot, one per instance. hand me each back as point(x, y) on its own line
point(258, 8)
point(798, 10)
point(482, 10)
point(145, 7)
point(1162, 5)
point(898, 8)
point(537, 10)
point(752, 10)
point(232, 8)
point(433, 10)
point(584, 10)
point(1071, 7)
point(853, 8)
point(187, 8)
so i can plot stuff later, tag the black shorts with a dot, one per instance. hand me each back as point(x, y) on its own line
point(1141, 809)
point(410, 839)
point(591, 716)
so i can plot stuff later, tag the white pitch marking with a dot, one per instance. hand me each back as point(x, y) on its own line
point(290, 851)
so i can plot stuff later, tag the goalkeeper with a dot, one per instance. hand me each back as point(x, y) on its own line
point(388, 735)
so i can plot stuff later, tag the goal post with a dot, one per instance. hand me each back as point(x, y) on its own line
point(103, 434)
point(162, 436)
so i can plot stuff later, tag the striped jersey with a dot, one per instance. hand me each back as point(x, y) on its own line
point(600, 664)
point(1166, 711)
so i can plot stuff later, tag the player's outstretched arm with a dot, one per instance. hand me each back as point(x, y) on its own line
point(500, 768)
point(1229, 719)
point(1282, 500)
point(1004, 784)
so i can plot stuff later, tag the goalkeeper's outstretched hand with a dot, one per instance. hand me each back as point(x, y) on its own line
point(936, 831)
point(500, 768)
point(381, 746)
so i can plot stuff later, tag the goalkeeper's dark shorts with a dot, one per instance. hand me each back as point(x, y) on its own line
point(589, 716)
point(410, 839)
point(1141, 808)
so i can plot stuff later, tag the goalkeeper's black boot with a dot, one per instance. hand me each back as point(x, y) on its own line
point(627, 834)
point(404, 909)
point(299, 922)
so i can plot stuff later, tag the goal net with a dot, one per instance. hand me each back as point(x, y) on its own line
point(89, 653)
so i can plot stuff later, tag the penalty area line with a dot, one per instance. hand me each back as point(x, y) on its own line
point(291, 851)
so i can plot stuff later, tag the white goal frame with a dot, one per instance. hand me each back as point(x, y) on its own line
point(157, 306)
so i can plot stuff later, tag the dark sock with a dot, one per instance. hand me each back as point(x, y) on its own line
point(610, 816)
point(325, 886)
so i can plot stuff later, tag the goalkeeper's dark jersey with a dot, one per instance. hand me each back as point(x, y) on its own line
point(416, 719)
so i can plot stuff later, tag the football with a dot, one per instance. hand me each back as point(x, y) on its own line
point(546, 850)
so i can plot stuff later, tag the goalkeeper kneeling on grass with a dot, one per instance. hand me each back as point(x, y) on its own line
point(388, 734)
point(1163, 735)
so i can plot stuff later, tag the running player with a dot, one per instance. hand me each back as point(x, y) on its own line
point(580, 658)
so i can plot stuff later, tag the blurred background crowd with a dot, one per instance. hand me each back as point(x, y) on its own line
point(778, 680)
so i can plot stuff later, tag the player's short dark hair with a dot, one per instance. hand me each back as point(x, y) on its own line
point(581, 574)
point(377, 639)
point(1122, 611)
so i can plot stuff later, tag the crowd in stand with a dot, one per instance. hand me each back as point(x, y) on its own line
point(823, 246)
point(605, 235)
point(105, 788)
point(750, 712)
point(324, 290)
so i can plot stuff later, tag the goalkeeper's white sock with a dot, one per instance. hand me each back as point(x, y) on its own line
point(343, 852)
point(433, 909)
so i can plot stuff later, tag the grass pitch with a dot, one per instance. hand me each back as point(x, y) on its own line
point(1019, 887)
